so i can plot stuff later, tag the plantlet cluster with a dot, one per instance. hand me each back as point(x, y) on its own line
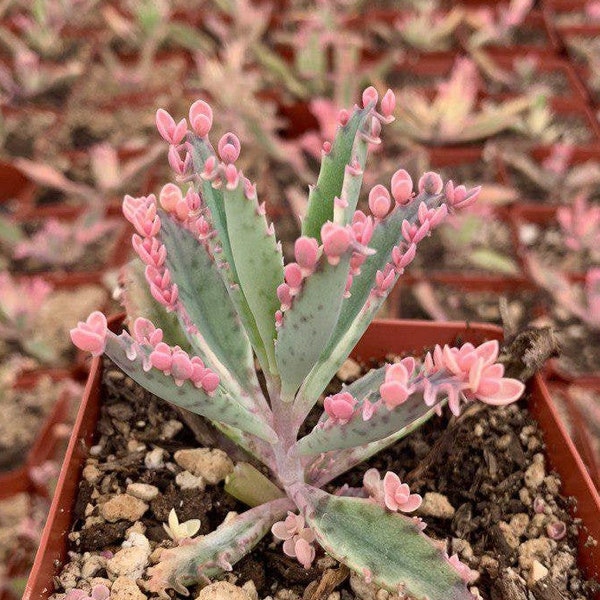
point(219, 296)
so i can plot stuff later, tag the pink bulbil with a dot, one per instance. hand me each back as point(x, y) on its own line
point(458, 197)
point(396, 389)
point(171, 132)
point(336, 241)
point(297, 539)
point(340, 407)
point(201, 118)
point(402, 187)
point(397, 496)
point(90, 336)
point(431, 183)
point(229, 148)
point(379, 201)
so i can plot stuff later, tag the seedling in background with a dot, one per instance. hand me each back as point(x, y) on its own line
point(20, 303)
point(556, 177)
point(453, 116)
point(213, 264)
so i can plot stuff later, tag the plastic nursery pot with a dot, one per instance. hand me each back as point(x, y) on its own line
point(569, 17)
point(16, 191)
point(533, 36)
point(17, 480)
point(571, 90)
point(563, 398)
point(381, 338)
point(451, 283)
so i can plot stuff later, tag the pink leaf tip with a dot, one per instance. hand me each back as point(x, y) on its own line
point(90, 335)
point(229, 148)
point(201, 118)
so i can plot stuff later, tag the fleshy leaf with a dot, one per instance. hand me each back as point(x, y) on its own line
point(356, 432)
point(355, 315)
point(389, 547)
point(221, 340)
point(331, 176)
point(308, 324)
point(220, 406)
point(212, 554)
point(258, 259)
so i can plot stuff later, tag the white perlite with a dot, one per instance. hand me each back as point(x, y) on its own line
point(143, 491)
point(125, 588)
point(222, 590)
point(123, 506)
point(212, 465)
point(436, 505)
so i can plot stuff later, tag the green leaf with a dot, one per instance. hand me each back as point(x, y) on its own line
point(389, 546)
point(355, 316)
point(139, 302)
point(220, 407)
point(308, 324)
point(222, 341)
point(259, 262)
point(402, 420)
point(331, 176)
point(221, 249)
point(209, 555)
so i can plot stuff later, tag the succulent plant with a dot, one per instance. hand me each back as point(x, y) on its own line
point(452, 117)
point(582, 302)
point(20, 303)
point(556, 177)
point(212, 261)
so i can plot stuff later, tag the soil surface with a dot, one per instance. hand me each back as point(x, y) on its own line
point(482, 507)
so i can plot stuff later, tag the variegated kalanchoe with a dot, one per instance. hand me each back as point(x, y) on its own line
point(219, 297)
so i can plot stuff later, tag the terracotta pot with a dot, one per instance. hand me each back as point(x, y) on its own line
point(16, 191)
point(534, 22)
point(546, 65)
point(382, 337)
point(553, 9)
point(563, 398)
point(17, 480)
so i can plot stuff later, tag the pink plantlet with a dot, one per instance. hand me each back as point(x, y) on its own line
point(98, 592)
point(432, 215)
point(336, 241)
point(369, 96)
point(343, 117)
point(293, 275)
point(144, 332)
point(181, 367)
point(297, 539)
point(178, 164)
point(229, 148)
point(397, 496)
point(384, 280)
point(306, 251)
point(466, 574)
point(413, 234)
point(161, 358)
point(232, 176)
point(193, 200)
point(379, 201)
point(201, 118)
point(375, 131)
point(150, 250)
point(556, 530)
point(171, 132)
point(90, 336)
point(369, 409)
point(431, 183)
point(170, 196)
point(340, 202)
point(459, 197)
point(284, 294)
point(326, 148)
point(396, 388)
point(403, 257)
point(402, 187)
point(250, 193)
point(340, 407)
point(210, 168)
point(388, 104)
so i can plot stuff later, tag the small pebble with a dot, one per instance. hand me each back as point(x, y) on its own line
point(222, 590)
point(143, 491)
point(212, 465)
point(436, 505)
point(123, 506)
point(125, 588)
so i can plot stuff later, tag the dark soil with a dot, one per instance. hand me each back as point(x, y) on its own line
point(491, 452)
point(580, 348)
point(471, 307)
